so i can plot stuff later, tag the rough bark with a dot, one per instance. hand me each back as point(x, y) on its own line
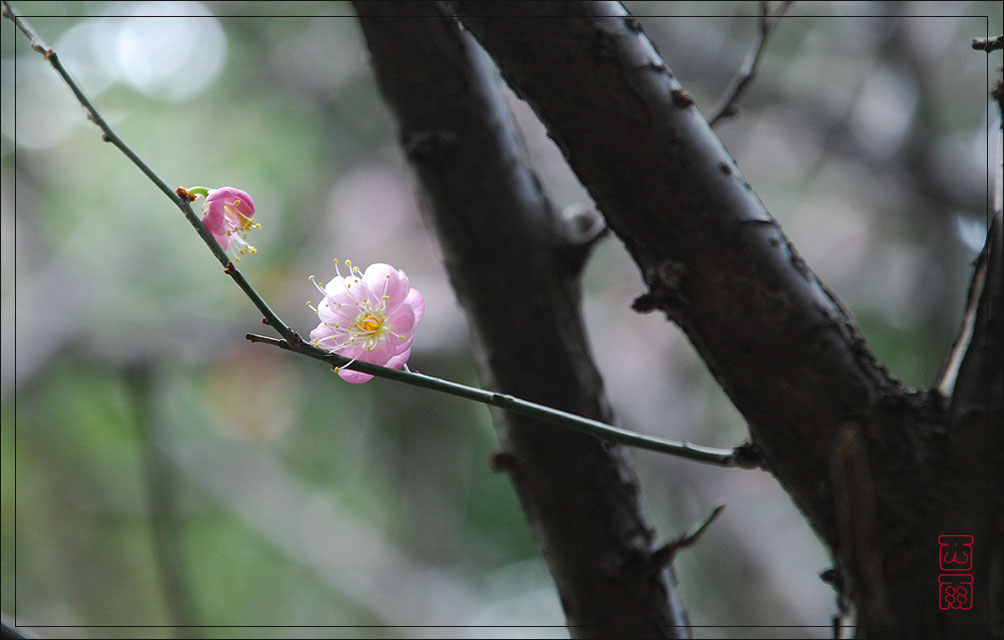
point(514, 264)
point(880, 471)
point(975, 426)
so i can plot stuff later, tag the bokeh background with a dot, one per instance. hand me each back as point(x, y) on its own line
point(158, 470)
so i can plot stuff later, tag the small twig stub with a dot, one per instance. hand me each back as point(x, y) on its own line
point(663, 556)
point(988, 44)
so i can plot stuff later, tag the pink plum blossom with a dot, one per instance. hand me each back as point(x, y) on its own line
point(229, 214)
point(368, 317)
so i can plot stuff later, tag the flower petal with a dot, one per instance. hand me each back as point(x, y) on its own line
point(336, 288)
point(212, 216)
point(398, 361)
point(417, 304)
point(405, 344)
point(369, 317)
point(237, 198)
point(354, 351)
point(227, 210)
point(320, 331)
point(381, 352)
point(326, 311)
point(402, 320)
point(223, 239)
point(384, 280)
point(355, 377)
point(344, 314)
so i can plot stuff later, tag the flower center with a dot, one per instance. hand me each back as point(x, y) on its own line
point(243, 223)
point(370, 323)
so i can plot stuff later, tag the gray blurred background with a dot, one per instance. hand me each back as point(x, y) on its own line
point(169, 473)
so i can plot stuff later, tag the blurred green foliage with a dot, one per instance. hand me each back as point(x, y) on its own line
point(169, 473)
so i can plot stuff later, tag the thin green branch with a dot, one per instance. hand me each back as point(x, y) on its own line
point(292, 342)
point(109, 135)
point(601, 430)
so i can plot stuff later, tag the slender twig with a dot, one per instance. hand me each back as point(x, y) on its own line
point(616, 435)
point(663, 556)
point(292, 342)
point(947, 378)
point(727, 104)
point(108, 135)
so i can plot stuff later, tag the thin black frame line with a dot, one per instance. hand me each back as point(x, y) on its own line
point(986, 18)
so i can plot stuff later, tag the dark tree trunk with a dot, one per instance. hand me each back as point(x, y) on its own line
point(515, 264)
point(880, 471)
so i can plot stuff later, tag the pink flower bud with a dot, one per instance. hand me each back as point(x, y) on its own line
point(369, 317)
point(229, 214)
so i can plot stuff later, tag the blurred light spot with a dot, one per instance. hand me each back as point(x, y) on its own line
point(167, 50)
point(972, 231)
point(929, 38)
point(43, 112)
point(383, 199)
point(791, 146)
point(883, 112)
point(80, 50)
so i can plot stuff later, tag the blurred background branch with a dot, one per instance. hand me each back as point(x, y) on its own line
point(162, 484)
point(727, 106)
